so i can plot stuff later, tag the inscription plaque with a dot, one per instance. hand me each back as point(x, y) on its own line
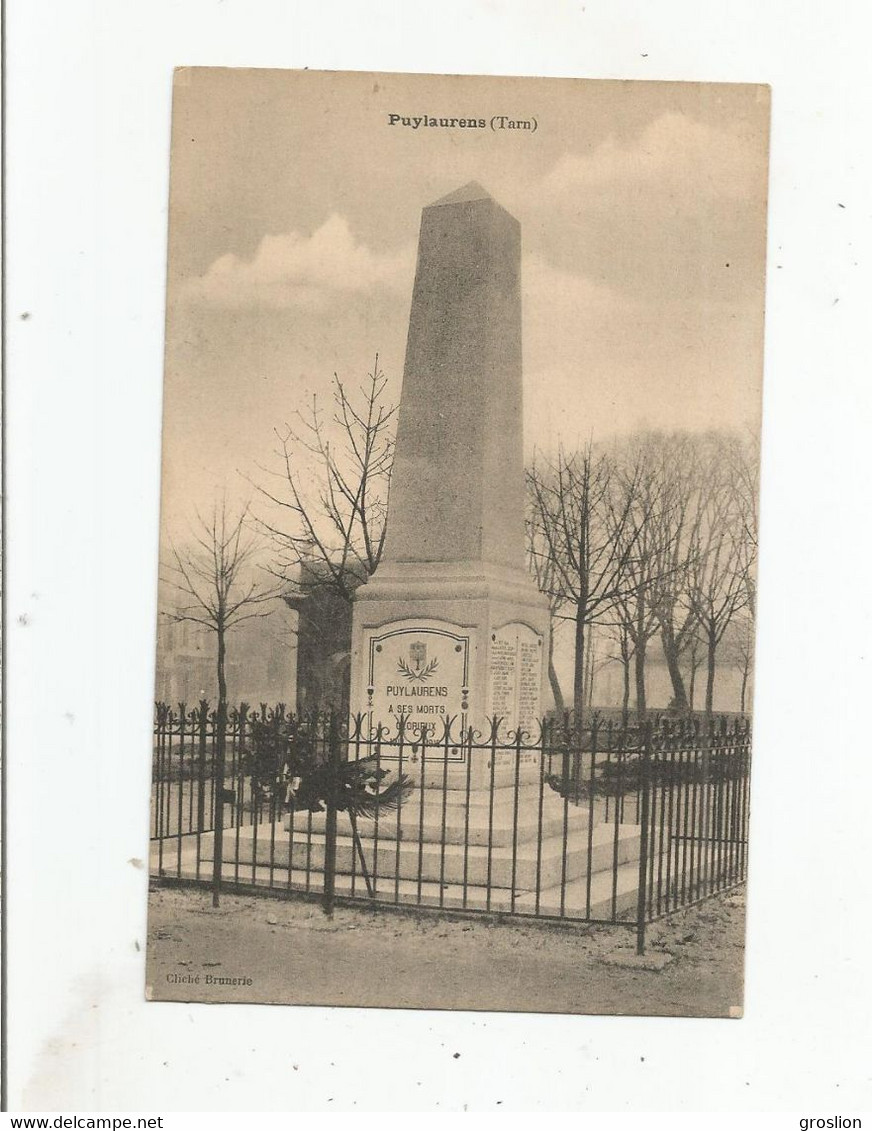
point(516, 678)
point(420, 673)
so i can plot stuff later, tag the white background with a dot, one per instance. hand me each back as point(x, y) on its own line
point(88, 118)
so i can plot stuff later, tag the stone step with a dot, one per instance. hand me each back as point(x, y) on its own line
point(501, 832)
point(427, 893)
point(481, 777)
point(435, 862)
point(451, 897)
point(456, 776)
point(502, 826)
point(612, 896)
point(479, 798)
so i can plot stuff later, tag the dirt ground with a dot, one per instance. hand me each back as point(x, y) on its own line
point(293, 954)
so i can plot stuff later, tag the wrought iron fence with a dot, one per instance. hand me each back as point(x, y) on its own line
point(604, 823)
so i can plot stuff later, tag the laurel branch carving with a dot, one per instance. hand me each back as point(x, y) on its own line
point(417, 677)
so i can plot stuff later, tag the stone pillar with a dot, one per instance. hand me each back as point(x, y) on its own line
point(451, 624)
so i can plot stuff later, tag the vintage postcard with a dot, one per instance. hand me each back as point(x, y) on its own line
point(458, 542)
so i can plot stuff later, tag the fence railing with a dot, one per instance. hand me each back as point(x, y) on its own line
point(603, 823)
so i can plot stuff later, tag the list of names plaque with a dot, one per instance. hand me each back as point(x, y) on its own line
point(516, 678)
point(503, 673)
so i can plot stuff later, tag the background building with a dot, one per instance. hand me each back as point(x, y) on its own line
point(261, 663)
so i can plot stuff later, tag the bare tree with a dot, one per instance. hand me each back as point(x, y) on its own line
point(543, 569)
point(213, 579)
point(675, 463)
point(212, 576)
point(636, 525)
point(743, 459)
point(722, 561)
point(694, 661)
point(742, 454)
point(740, 650)
point(595, 662)
point(326, 502)
point(656, 538)
point(622, 652)
point(580, 542)
point(625, 649)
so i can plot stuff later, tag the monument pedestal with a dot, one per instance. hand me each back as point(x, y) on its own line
point(552, 864)
point(446, 647)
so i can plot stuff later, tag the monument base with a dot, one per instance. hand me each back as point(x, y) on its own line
point(490, 861)
point(445, 651)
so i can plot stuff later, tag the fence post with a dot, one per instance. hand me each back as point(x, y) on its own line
point(218, 846)
point(334, 757)
point(642, 897)
point(201, 767)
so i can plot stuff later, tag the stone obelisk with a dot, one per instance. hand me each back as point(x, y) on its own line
point(451, 625)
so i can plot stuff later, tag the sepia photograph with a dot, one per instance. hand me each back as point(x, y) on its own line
point(454, 682)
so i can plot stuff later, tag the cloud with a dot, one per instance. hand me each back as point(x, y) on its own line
point(295, 270)
point(598, 360)
point(553, 296)
point(674, 154)
point(561, 310)
point(674, 216)
point(566, 316)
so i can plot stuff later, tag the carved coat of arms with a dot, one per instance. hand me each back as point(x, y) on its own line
point(417, 670)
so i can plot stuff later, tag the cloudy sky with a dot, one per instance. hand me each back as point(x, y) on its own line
point(294, 216)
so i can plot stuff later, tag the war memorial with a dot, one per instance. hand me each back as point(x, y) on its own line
point(449, 635)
